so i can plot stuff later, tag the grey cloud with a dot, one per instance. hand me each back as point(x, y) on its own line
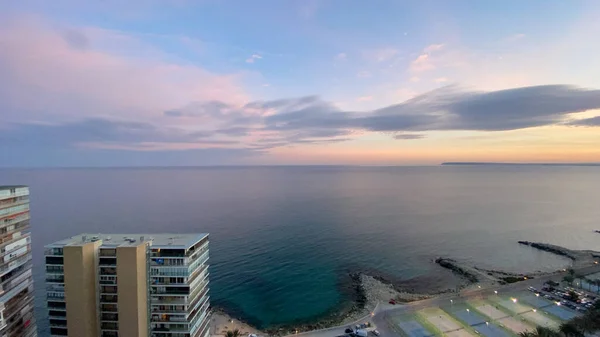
point(311, 120)
point(593, 121)
point(283, 104)
point(450, 108)
point(76, 39)
point(519, 108)
point(95, 130)
point(409, 136)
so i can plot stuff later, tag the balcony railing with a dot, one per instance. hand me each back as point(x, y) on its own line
point(12, 202)
point(109, 317)
point(168, 318)
point(12, 210)
point(53, 252)
point(55, 279)
point(21, 259)
point(15, 220)
point(108, 298)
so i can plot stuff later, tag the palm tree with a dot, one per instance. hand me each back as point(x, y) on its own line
point(234, 333)
point(571, 329)
point(569, 279)
point(541, 331)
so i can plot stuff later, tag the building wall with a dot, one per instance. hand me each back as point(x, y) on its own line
point(80, 289)
point(16, 294)
point(132, 291)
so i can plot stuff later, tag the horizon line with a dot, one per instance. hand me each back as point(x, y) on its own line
point(458, 163)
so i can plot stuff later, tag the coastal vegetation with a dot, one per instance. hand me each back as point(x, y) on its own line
point(233, 333)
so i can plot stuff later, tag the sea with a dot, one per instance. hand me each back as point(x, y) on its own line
point(284, 239)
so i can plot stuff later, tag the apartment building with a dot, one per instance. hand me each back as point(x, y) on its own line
point(16, 282)
point(128, 285)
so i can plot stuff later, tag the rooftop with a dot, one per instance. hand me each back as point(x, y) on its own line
point(164, 240)
point(8, 187)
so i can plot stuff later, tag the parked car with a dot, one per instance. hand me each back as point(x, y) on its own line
point(376, 333)
point(349, 330)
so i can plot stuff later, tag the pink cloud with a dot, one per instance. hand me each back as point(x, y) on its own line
point(422, 63)
point(66, 74)
point(364, 98)
point(433, 48)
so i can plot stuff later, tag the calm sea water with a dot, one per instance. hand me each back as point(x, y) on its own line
point(281, 237)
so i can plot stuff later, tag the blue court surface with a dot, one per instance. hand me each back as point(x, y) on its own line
point(490, 330)
point(477, 321)
point(471, 318)
point(560, 312)
point(537, 302)
point(414, 329)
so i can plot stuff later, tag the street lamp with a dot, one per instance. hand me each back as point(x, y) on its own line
point(537, 295)
point(534, 310)
point(496, 292)
point(514, 300)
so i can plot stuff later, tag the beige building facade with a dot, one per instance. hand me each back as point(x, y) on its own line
point(129, 285)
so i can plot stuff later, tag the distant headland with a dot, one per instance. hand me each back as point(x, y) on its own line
point(519, 164)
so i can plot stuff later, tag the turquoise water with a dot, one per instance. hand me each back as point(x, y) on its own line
point(284, 238)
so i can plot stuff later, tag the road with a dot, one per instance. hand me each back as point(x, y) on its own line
point(384, 311)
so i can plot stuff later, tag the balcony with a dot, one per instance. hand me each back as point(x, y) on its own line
point(55, 287)
point(15, 262)
point(167, 262)
point(53, 252)
point(110, 290)
point(15, 223)
point(168, 300)
point(54, 260)
point(13, 202)
point(58, 331)
point(108, 298)
point(54, 305)
point(107, 261)
point(55, 296)
point(17, 277)
point(108, 252)
point(58, 314)
point(170, 290)
point(6, 212)
point(109, 317)
point(168, 318)
point(109, 326)
point(55, 278)
point(166, 327)
point(109, 308)
point(166, 309)
point(108, 271)
point(168, 253)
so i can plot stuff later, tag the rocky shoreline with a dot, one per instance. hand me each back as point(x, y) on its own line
point(579, 257)
point(368, 288)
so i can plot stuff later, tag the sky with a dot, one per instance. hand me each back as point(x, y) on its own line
point(298, 82)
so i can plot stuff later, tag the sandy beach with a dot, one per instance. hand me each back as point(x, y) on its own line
point(221, 323)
